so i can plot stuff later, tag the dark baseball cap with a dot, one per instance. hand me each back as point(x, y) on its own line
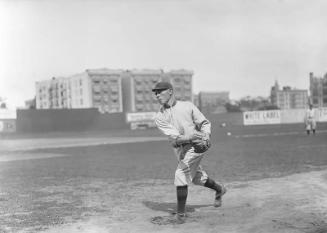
point(162, 86)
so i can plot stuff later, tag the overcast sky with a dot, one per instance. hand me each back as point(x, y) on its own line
point(241, 46)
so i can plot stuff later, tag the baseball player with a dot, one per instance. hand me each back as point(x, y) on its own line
point(188, 132)
point(310, 121)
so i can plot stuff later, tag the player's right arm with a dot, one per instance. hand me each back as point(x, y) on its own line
point(174, 137)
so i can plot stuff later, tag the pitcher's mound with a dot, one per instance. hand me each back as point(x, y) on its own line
point(173, 220)
point(167, 220)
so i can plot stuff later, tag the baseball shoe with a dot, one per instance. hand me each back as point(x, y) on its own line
point(218, 197)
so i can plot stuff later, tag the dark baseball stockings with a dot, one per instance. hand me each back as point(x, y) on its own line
point(182, 192)
point(213, 185)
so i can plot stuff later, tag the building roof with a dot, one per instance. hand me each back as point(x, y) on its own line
point(145, 71)
point(292, 90)
point(180, 71)
point(103, 71)
point(213, 92)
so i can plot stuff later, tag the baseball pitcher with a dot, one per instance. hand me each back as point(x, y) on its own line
point(188, 131)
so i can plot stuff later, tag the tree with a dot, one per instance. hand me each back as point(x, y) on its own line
point(31, 104)
point(2, 102)
point(232, 107)
point(269, 107)
point(249, 103)
point(3, 105)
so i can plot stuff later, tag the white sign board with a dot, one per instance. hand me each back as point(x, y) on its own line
point(8, 113)
point(322, 114)
point(262, 117)
point(140, 116)
point(292, 116)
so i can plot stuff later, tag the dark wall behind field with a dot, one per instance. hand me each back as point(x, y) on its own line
point(49, 120)
point(231, 119)
point(67, 120)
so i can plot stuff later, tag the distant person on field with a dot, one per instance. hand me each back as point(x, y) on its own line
point(186, 128)
point(310, 122)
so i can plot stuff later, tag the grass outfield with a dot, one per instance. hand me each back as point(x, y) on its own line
point(229, 159)
point(88, 181)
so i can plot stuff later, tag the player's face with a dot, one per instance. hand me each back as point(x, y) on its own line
point(163, 96)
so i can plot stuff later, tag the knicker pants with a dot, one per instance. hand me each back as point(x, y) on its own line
point(189, 170)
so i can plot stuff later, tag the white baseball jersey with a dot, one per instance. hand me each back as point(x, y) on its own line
point(310, 114)
point(183, 118)
point(310, 119)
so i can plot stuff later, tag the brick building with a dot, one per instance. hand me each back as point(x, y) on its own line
point(318, 90)
point(138, 84)
point(288, 98)
point(94, 88)
point(111, 90)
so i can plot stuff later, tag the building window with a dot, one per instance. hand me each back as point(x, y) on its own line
point(114, 96)
point(315, 92)
point(138, 81)
point(96, 89)
point(139, 96)
point(96, 99)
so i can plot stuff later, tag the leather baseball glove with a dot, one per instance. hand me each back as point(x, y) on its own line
point(201, 144)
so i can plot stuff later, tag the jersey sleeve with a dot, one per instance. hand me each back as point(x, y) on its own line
point(202, 123)
point(166, 128)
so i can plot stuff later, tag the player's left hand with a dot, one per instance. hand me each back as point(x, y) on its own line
point(201, 145)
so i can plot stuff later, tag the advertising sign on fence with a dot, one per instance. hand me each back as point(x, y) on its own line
point(285, 116)
point(7, 126)
point(8, 113)
point(140, 116)
point(262, 117)
point(322, 114)
point(289, 116)
point(141, 120)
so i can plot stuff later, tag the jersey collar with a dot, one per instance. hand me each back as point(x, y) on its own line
point(171, 103)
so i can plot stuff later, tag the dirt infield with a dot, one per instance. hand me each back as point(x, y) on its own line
point(276, 183)
point(295, 203)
